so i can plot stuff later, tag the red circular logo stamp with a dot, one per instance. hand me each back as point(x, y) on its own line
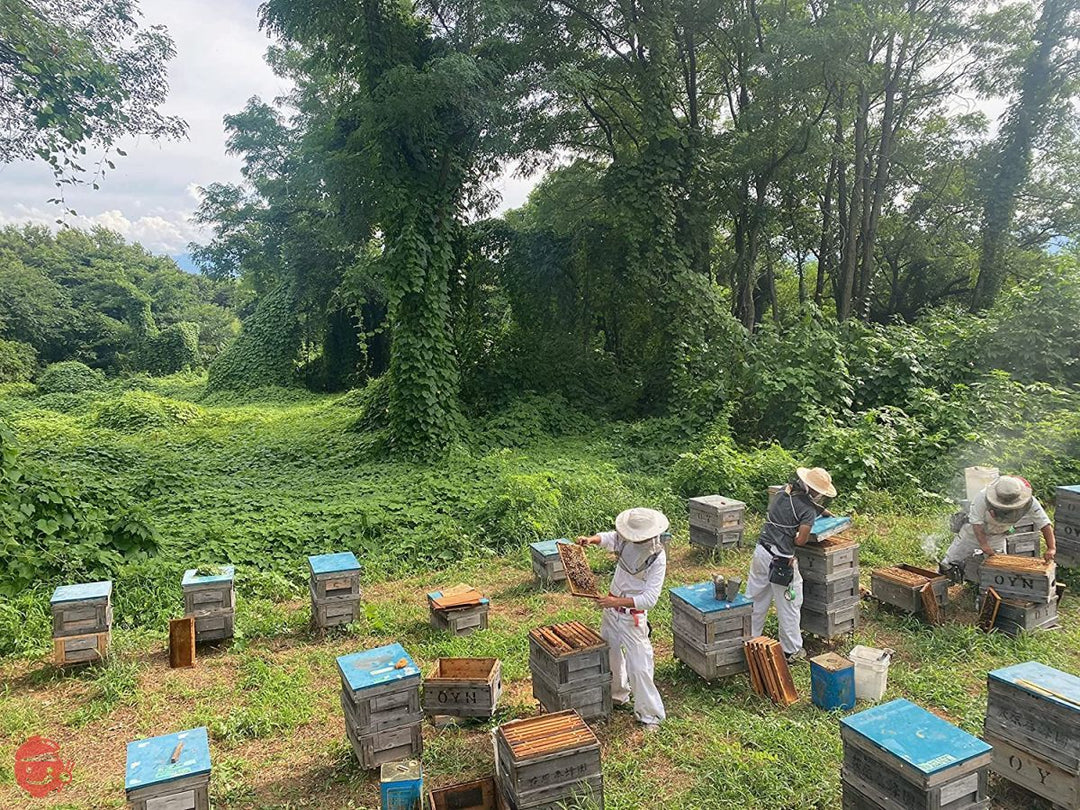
point(38, 767)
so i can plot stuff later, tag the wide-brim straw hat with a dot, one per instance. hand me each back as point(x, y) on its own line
point(640, 524)
point(1009, 493)
point(818, 479)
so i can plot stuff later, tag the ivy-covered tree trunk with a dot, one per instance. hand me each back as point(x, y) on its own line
point(424, 410)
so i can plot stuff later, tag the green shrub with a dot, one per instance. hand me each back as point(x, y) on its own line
point(133, 411)
point(70, 377)
point(17, 361)
point(721, 469)
point(532, 418)
point(175, 348)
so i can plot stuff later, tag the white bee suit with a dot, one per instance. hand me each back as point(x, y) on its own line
point(628, 633)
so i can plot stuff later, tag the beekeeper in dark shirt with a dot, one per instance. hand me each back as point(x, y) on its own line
point(774, 573)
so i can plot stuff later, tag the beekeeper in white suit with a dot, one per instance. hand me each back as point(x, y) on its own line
point(635, 589)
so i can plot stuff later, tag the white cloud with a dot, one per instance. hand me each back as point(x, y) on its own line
point(158, 234)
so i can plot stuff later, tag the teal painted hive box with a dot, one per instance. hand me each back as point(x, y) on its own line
point(899, 756)
point(709, 634)
point(1033, 722)
point(380, 697)
point(82, 622)
point(211, 600)
point(546, 563)
point(171, 771)
point(334, 583)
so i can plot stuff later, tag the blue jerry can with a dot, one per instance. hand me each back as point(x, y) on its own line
point(832, 682)
point(401, 785)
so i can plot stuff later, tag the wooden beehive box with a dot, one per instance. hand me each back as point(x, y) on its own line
point(1067, 505)
point(334, 584)
point(547, 566)
point(837, 593)
point(1027, 578)
point(1068, 549)
point(709, 633)
point(463, 617)
point(463, 687)
point(210, 600)
point(82, 622)
point(1016, 616)
point(716, 521)
point(828, 560)
point(380, 698)
point(548, 760)
point(716, 512)
point(481, 794)
point(831, 622)
point(901, 756)
point(1033, 722)
point(571, 669)
point(902, 585)
point(171, 772)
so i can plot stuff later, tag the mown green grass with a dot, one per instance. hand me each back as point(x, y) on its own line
point(264, 483)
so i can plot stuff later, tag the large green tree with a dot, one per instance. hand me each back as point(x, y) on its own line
point(78, 76)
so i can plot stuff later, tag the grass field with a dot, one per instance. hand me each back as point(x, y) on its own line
point(263, 484)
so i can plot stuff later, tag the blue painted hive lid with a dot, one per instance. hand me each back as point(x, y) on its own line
point(191, 578)
point(333, 563)
point(702, 596)
point(149, 761)
point(921, 739)
point(827, 526)
point(548, 547)
point(86, 590)
point(1066, 687)
point(1073, 489)
point(370, 668)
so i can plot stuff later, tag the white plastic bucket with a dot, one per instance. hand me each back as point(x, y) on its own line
point(976, 479)
point(871, 671)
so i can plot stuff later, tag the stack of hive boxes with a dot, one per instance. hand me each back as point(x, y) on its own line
point(211, 600)
point(1027, 588)
point(1067, 525)
point(547, 565)
point(571, 669)
point(709, 634)
point(551, 761)
point(898, 756)
point(380, 695)
point(82, 622)
point(830, 570)
point(1033, 722)
point(334, 583)
point(716, 521)
point(1023, 540)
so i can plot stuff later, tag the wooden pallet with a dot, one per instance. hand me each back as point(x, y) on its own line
point(579, 575)
point(770, 675)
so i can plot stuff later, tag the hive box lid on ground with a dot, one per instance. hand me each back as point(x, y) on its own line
point(546, 548)
point(191, 578)
point(333, 563)
point(1064, 688)
point(149, 761)
point(915, 737)
point(828, 526)
point(702, 597)
point(83, 591)
point(433, 595)
point(373, 668)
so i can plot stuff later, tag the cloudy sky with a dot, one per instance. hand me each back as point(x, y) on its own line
point(152, 193)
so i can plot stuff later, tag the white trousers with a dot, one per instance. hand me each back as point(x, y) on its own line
point(632, 664)
point(764, 593)
point(965, 546)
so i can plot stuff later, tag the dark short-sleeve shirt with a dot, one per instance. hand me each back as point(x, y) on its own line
point(785, 516)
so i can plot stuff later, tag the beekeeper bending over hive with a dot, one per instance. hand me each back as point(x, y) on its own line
point(635, 589)
point(991, 515)
point(774, 572)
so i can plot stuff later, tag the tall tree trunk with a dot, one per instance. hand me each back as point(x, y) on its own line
point(1012, 166)
point(845, 287)
point(826, 244)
